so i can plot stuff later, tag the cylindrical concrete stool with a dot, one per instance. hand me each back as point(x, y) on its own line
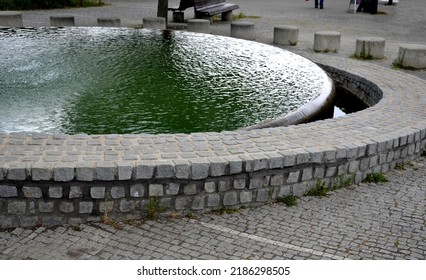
point(242, 30)
point(370, 48)
point(154, 23)
point(412, 56)
point(109, 22)
point(198, 25)
point(327, 41)
point(11, 19)
point(286, 35)
point(62, 21)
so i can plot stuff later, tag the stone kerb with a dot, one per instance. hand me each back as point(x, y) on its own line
point(61, 21)
point(198, 25)
point(242, 30)
point(109, 22)
point(11, 19)
point(56, 179)
point(154, 23)
point(412, 56)
point(370, 48)
point(286, 35)
point(327, 41)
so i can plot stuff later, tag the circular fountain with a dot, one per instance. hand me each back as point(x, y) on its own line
point(127, 81)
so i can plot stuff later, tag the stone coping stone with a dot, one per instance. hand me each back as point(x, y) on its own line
point(286, 35)
point(11, 19)
point(198, 25)
point(399, 117)
point(327, 41)
point(412, 56)
point(242, 30)
point(370, 47)
point(62, 20)
point(154, 23)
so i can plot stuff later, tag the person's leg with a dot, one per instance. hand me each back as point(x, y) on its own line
point(316, 4)
point(321, 4)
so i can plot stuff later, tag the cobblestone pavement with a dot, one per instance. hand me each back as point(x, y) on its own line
point(366, 221)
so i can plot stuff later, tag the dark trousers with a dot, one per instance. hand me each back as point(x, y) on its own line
point(321, 3)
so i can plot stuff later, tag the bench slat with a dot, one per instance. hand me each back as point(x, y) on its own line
point(204, 3)
point(217, 9)
point(213, 7)
point(183, 5)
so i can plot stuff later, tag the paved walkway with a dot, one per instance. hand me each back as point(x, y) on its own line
point(367, 221)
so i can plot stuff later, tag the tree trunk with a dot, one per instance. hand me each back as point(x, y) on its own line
point(162, 8)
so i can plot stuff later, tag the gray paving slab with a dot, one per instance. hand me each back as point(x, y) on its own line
point(366, 221)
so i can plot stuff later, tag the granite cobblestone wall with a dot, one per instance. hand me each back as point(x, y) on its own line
point(206, 175)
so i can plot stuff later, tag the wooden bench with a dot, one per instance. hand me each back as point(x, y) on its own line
point(183, 5)
point(209, 8)
point(178, 15)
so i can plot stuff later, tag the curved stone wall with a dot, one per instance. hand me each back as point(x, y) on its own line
point(58, 179)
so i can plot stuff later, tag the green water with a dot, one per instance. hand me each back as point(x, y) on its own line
point(104, 80)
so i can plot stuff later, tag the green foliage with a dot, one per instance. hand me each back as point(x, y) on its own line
point(153, 208)
point(243, 16)
point(318, 190)
point(289, 200)
point(46, 4)
point(375, 178)
point(225, 211)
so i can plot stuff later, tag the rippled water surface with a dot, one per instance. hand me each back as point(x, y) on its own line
point(104, 80)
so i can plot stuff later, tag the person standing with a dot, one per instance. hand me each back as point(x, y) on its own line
point(321, 4)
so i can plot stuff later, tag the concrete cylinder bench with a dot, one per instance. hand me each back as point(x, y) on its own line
point(11, 19)
point(62, 21)
point(412, 56)
point(286, 35)
point(327, 41)
point(198, 25)
point(370, 48)
point(154, 23)
point(109, 22)
point(242, 30)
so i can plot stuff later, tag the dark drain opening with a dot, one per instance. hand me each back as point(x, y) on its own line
point(346, 102)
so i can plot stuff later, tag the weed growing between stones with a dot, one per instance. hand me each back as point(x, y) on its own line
point(403, 165)
point(153, 208)
point(243, 16)
point(289, 200)
point(318, 190)
point(222, 211)
point(108, 220)
point(191, 216)
point(376, 178)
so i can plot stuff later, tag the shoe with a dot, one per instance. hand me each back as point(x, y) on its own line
point(316, 7)
point(321, 7)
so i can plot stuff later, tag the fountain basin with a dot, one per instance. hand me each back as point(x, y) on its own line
point(121, 80)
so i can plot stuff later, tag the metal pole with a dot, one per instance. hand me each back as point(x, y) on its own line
point(163, 5)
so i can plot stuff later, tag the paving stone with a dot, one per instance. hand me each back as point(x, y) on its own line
point(97, 192)
point(156, 190)
point(32, 192)
point(63, 173)
point(17, 207)
point(85, 172)
point(8, 191)
point(106, 171)
point(85, 207)
point(75, 192)
point(137, 190)
point(55, 192)
point(144, 170)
